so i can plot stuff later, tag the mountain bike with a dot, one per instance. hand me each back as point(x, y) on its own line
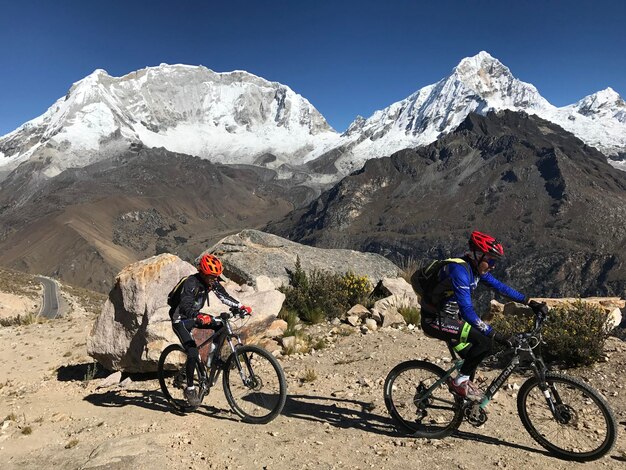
point(562, 413)
point(253, 381)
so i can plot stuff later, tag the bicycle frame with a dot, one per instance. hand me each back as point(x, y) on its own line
point(219, 337)
point(536, 363)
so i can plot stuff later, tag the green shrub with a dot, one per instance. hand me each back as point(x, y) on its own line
point(292, 320)
point(411, 315)
point(319, 295)
point(315, 315)
point(574, 333)
point(90, 373)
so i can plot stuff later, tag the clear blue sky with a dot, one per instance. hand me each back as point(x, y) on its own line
point(345, 57)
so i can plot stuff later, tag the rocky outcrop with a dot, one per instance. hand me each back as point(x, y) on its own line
point(251, 253)
point(134, 325)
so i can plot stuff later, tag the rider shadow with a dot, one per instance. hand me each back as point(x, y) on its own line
point(338, 412)
point(470, 436)
point(148, 399)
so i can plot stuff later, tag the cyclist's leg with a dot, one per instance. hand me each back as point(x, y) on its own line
point(472, 346)
point(191, 348)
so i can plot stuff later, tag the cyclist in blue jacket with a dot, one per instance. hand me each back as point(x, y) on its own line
point(450, 315)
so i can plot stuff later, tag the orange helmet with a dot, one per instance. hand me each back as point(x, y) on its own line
point(210, 265)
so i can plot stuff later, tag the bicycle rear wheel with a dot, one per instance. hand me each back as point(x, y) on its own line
point(584, 428)
point(254, 384)
point(173, 377)
point(433, 416)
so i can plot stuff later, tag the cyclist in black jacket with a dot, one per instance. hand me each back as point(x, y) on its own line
point(189, 297)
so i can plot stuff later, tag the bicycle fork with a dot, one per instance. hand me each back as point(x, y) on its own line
point(550, 392)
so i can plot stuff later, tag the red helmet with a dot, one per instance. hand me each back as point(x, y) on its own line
point(210, 265)
point(486, 244)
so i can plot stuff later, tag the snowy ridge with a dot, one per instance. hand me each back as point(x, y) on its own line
point(479, 84)
point(237, 117)
point(228, 117)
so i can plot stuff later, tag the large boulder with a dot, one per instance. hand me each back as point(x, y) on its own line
point(251, 253)
point(134, 325)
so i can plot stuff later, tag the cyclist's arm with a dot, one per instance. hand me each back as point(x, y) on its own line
point(461, 283)
point(503, 289)
point(224, 296)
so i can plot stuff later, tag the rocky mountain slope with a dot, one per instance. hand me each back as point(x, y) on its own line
point(85, 224)
point(555, 203)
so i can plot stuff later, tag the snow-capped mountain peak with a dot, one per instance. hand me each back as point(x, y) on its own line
point(480, 66)
point(493, 82)
point(238, 117)
point(603, 102)
point(231, 117)
point(479, 83)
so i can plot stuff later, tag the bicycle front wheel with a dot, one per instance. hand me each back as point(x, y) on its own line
point(582, 427)
point(254, 384)
point(173, 377)
point(433, 415)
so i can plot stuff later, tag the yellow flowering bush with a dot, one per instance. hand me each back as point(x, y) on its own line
point(318, 295)
point(574, 333)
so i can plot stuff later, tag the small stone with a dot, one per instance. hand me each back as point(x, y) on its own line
point(111, 380)
point(126, 383)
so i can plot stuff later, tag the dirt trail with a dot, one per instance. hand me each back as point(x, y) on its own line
point(52, 418)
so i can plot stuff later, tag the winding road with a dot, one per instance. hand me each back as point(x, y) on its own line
point(50, 303)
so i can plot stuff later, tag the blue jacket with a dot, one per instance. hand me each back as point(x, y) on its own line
point(463, 282)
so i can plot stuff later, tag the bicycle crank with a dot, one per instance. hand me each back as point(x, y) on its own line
point(475, 415)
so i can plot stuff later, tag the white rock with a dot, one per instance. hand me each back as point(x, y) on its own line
point(371, 324)
point(110, 380)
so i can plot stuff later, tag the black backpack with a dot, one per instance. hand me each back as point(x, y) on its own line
point(173, 298)
point(425, 280)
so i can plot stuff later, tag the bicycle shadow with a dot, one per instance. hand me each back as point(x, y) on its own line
point(149, 399)
point(483, 439)
point(341, 413)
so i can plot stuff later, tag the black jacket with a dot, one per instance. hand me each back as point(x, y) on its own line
point(193, 296)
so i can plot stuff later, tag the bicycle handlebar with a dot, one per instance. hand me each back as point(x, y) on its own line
point(233, 312)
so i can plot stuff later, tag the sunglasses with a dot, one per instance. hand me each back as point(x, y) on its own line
point(491, 262)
